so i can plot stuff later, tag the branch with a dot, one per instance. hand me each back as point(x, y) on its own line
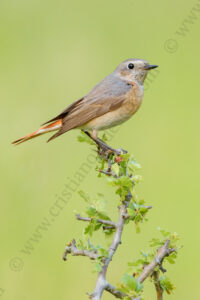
point(118, 294)
point(109, 173)
point(158, 287)
point(105, 222)
point(102, 284)
point(117, 237)
point(72, 249)
point(162, 253)
point(111, 289)
point(148, 270)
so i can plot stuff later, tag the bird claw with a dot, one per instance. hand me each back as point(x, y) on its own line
point(105, 149)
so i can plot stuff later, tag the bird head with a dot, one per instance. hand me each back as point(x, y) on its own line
point(134, 70)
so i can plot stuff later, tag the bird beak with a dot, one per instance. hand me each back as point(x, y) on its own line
point(150, 67)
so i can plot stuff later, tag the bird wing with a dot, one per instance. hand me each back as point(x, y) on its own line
point(65, 111)
point(107, 96)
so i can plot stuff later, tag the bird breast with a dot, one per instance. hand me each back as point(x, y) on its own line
point(123, 113)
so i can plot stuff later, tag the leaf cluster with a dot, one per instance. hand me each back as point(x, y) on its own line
point(130, 286)
point(136, 267)
point(121, 173)
point(96, 210)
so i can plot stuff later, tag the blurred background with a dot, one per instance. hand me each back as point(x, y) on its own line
point(51, 54)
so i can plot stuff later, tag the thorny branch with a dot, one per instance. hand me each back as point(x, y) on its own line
point(102, 283)
point(162, 253)
point(72, 249)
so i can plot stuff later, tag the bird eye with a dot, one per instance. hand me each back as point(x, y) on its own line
point(131, 66)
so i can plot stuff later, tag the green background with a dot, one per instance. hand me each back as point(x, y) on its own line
point(54, 52)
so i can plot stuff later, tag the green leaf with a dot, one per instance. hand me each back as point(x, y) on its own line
point(143, 210)
point(91, 227)
point(89, 230)
point(103, 252)
point(166, 284)
point(129, 281)
point(171, 258)
point(97, 226)
point(131, 212)
point(139, 287)
point(97, 267)
point(91, 211)
point(124, 184)
point(124, 289)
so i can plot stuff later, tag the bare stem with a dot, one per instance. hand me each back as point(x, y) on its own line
point(158, 287)
point(102, 284)
point(109, 173)
point(105, 222)
point(112, 290)
point(162, 253)
point(72, 249)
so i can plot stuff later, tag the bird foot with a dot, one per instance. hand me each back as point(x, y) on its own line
point(103, 148)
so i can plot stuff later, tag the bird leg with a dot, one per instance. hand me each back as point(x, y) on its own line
point(103, 147)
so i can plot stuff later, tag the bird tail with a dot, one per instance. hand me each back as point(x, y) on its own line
point(44, 129)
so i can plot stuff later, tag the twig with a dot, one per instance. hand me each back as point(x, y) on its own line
point(158, 287)
point(118, 294)
point(162, 253)
point(109, 173)
point(72, 249)
point(105, 222)
point(111, 289)
point(101, 280)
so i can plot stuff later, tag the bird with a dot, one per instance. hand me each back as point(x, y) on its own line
point(111, 102)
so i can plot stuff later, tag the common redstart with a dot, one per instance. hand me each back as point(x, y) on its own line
point(111, 102)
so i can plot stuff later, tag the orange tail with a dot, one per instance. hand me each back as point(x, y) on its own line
point(51, 127)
